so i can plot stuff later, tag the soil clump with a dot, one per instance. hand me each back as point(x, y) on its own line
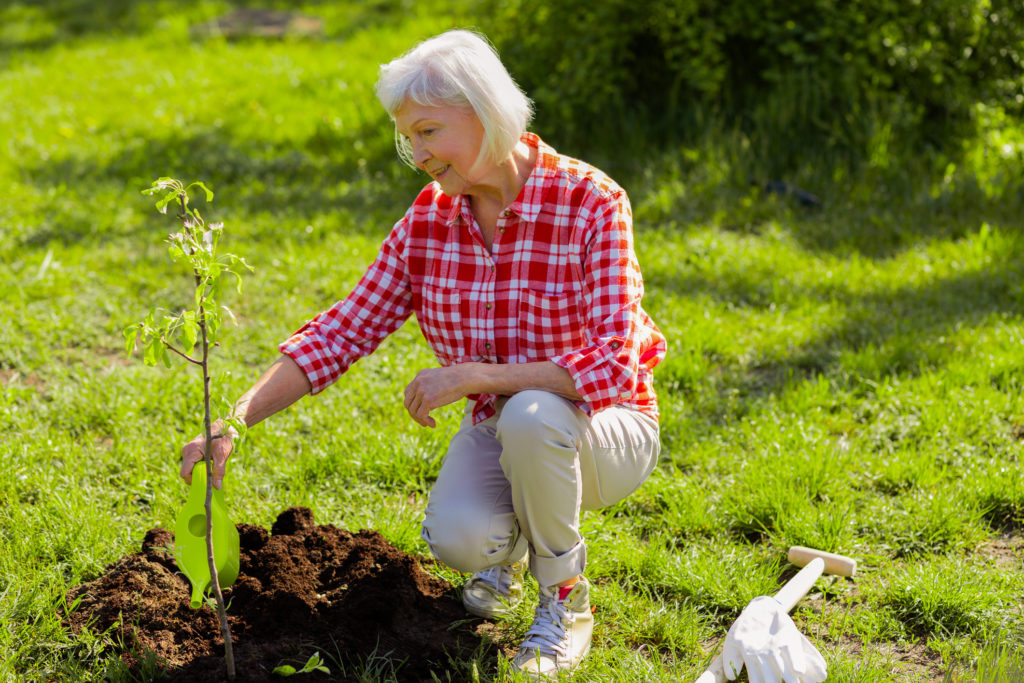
point(301, 588)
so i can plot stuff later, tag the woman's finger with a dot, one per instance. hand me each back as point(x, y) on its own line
point(191, 453)
point(223, 445)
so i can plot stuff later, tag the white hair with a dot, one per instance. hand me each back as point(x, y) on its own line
point(460, 68)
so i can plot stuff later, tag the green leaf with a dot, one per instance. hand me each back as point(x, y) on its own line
point(238, 423)
point(176, 252)
point(208, 191)
point(190, 331)
point(284, 670)
point(161, 184)
point(161, 205)
point(150, 351)
point(131, 335)
point(212, 327)
point(201, 292)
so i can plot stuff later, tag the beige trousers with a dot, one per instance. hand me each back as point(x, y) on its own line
point(520, 479)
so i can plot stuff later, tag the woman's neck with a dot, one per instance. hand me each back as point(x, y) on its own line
point(500, 186)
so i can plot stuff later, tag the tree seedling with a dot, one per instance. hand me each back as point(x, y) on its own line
point(314, 663)
point(190, 335)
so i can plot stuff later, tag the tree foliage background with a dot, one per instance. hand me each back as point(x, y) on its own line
point(800, 75)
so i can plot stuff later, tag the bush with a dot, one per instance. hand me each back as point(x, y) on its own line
point(796, 72)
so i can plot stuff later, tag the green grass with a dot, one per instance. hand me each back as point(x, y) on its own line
point(847, 378)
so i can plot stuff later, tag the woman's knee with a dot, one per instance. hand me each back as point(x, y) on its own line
point(468, 541)
point(535, 417)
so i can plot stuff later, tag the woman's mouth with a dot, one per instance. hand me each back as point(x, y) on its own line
point(441, 171)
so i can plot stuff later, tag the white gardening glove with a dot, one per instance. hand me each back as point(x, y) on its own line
point(765, 639)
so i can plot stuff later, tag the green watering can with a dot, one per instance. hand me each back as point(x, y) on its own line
point(190, 538)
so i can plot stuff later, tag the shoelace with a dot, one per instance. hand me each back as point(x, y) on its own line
point(547, 633)
point(498, 577)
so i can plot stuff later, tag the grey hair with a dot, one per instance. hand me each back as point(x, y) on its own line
point(460, 68)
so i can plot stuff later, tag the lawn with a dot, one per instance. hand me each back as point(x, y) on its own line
point(847, 377)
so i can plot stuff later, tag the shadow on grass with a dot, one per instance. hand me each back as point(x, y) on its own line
point(321, 176)
point(871, 212)
point(898, 327)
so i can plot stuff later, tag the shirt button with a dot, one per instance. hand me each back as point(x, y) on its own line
point(506, 213)
point(487, 345)
point(487, 306)
point(615, 345)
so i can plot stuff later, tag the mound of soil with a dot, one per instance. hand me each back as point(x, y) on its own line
point(301, 588)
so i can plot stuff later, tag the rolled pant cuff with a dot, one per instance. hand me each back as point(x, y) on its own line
point(550, 571)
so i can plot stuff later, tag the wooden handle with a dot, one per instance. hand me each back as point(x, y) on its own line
point(797, 587)
point(834, 564)
point(790, 594)
point(814, 563)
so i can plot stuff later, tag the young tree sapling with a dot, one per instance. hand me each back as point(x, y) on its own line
point(196, 327)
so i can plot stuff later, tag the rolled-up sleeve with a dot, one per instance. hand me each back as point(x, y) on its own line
point(605, 371)
point(326, 346)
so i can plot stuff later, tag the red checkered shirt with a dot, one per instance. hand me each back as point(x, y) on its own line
point(561, 284)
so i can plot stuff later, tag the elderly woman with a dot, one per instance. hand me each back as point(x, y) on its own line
point(518, 263)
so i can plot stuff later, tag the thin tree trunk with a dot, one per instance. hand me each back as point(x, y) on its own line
point(222, 615)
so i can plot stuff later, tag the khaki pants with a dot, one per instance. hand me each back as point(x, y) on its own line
point(520, 479)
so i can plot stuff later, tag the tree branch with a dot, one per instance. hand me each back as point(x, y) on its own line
point(184, 355)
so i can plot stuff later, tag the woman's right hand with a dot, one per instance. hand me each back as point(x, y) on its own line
point(193, 452)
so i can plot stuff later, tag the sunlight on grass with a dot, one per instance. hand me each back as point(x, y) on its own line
point(847, 378)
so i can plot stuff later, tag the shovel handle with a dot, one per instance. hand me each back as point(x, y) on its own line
point(797, 587)
point(790, 594)
point(814, 563)
point(834, 564)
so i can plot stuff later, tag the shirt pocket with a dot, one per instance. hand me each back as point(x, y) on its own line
point(550, 324)
point(441, 323)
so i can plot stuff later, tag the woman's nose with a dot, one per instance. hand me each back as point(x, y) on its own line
point(419, 154)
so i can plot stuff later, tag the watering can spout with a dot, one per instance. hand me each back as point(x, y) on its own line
point(190, 549)
point(197, 594)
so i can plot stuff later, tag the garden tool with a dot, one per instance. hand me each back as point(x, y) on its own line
point(766, 640)
point(190, 538)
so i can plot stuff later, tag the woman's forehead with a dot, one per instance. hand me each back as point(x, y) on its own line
point(411, 113)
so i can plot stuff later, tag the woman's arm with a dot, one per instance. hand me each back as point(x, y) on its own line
point(436, 387)
point(281, 385)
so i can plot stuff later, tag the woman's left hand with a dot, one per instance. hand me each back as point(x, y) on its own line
point(436, 387)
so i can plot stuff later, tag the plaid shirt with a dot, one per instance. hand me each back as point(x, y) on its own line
point(560, 284)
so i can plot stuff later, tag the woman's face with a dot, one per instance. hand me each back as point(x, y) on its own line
point(445, 142)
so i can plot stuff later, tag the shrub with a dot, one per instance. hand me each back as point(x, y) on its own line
point(800, 72)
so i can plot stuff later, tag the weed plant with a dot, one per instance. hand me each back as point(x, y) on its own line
point(846, 376)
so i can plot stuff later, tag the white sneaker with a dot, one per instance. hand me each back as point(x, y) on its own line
point(560, 635)
point(494, 592)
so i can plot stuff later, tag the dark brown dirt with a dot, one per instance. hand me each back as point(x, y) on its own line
point(301, 588)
